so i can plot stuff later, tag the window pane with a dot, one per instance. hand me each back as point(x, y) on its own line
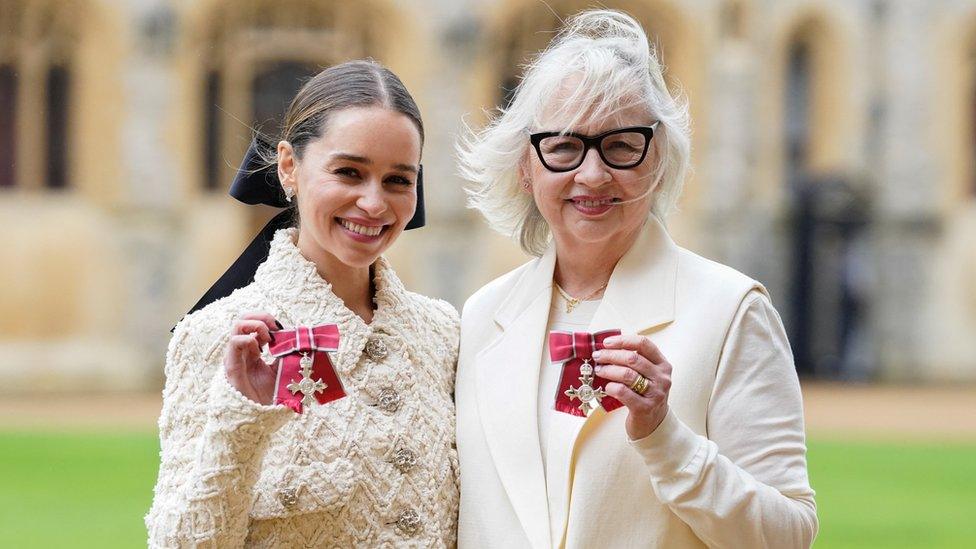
point(8, 125)
point(972, 121)
point(797, 109)
point(58, 97)
point(274, 87)
point(211, 131)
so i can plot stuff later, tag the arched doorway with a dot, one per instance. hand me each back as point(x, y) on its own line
point(828, 211)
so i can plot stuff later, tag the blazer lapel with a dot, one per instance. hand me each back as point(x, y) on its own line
point(640, 296)
point(641, 291)
point(507, 378)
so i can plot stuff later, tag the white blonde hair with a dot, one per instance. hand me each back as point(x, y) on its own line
point(614, 68)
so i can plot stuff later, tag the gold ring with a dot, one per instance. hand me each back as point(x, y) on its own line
point(639, 385)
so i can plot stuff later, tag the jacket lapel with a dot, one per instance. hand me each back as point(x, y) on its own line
point(639, 296)
point(507, 378)
point(641, 291)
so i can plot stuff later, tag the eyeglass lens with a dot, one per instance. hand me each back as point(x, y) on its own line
point(622, 150)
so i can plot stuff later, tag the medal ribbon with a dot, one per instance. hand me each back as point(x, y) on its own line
point(570, 348)
point(315, 343)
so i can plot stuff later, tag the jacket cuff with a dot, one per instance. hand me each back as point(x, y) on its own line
point(670, 448)
point(228, 404)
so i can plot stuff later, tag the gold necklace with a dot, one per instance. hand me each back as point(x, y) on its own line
point(573, 302)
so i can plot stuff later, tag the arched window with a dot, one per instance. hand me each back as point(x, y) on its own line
point(970, 191)
point(797, 109)
point(733, 20)
point(8, 125)
point(58, 99)
point(259, 55)
point(273, 88)
point(36, 41)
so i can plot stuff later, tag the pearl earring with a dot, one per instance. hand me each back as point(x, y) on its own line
point(289, 192)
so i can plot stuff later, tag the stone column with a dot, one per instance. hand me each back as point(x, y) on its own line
point(444, 260)
point(907, 224)
point(147, 219)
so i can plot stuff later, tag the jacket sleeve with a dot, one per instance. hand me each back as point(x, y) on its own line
point(746, 484)
point(212, 441)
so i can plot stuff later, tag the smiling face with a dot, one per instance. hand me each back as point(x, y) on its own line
point(356, 185)
point(583, 206)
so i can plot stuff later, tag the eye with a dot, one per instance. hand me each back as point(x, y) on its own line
point(399, 180)
point(621, 144)
point(346, 172)
point(560, 144)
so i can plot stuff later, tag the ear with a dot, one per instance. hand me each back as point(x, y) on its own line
point(287, 163)
point(522, 176)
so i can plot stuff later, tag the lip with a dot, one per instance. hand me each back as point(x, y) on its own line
point(592, 211)
point(365, 223)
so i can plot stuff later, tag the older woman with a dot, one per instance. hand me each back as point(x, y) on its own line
point(618, 390)
point(312, 406)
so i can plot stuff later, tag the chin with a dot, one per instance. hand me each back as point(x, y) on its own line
point(594, 232)
point(357, 258)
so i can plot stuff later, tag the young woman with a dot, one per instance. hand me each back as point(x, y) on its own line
point(375, 467)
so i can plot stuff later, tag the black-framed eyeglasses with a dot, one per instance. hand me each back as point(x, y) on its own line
point(620, 149)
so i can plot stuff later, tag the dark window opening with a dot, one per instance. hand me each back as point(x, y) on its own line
point(211, 131)
point(733, 20)
point(8, 126)
point(58, 97)
point(273, 88)
point(972, 131)
point(797, 110)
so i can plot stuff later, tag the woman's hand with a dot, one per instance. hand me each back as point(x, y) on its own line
point(621, 361)
point(245, 368)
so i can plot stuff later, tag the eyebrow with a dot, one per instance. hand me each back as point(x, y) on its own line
point(367, 161)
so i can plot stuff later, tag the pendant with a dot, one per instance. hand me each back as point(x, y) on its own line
point(585, 392)
point(307, 386)
point(571, 304)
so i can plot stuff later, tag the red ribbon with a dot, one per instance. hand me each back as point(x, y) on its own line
point(570, 349)
point(315, 343)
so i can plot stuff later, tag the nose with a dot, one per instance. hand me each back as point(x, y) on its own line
point(372, 200)
point(592, 172)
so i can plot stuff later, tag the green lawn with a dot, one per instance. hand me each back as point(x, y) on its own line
point(91, 490)
point(75, 490)
point(894, 495)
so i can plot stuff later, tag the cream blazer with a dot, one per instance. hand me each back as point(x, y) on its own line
point(726, 468)
point(374, 469)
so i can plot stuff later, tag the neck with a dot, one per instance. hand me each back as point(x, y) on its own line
point(353, 285)
point(583, 267)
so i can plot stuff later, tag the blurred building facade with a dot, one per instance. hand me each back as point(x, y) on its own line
point(834, 148)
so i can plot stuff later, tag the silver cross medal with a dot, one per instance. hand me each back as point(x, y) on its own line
point(586, 393)
point(307, 386)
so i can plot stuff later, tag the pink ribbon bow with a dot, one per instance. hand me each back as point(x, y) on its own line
point(305, 372)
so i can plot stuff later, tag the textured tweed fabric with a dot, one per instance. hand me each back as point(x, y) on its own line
point(377, 468)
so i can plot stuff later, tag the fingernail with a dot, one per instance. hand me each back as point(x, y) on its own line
point(612, 340)
point(597, 355)
point(597, 368)
point(280, 327)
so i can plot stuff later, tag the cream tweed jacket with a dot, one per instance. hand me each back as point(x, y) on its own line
point(375, 469)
